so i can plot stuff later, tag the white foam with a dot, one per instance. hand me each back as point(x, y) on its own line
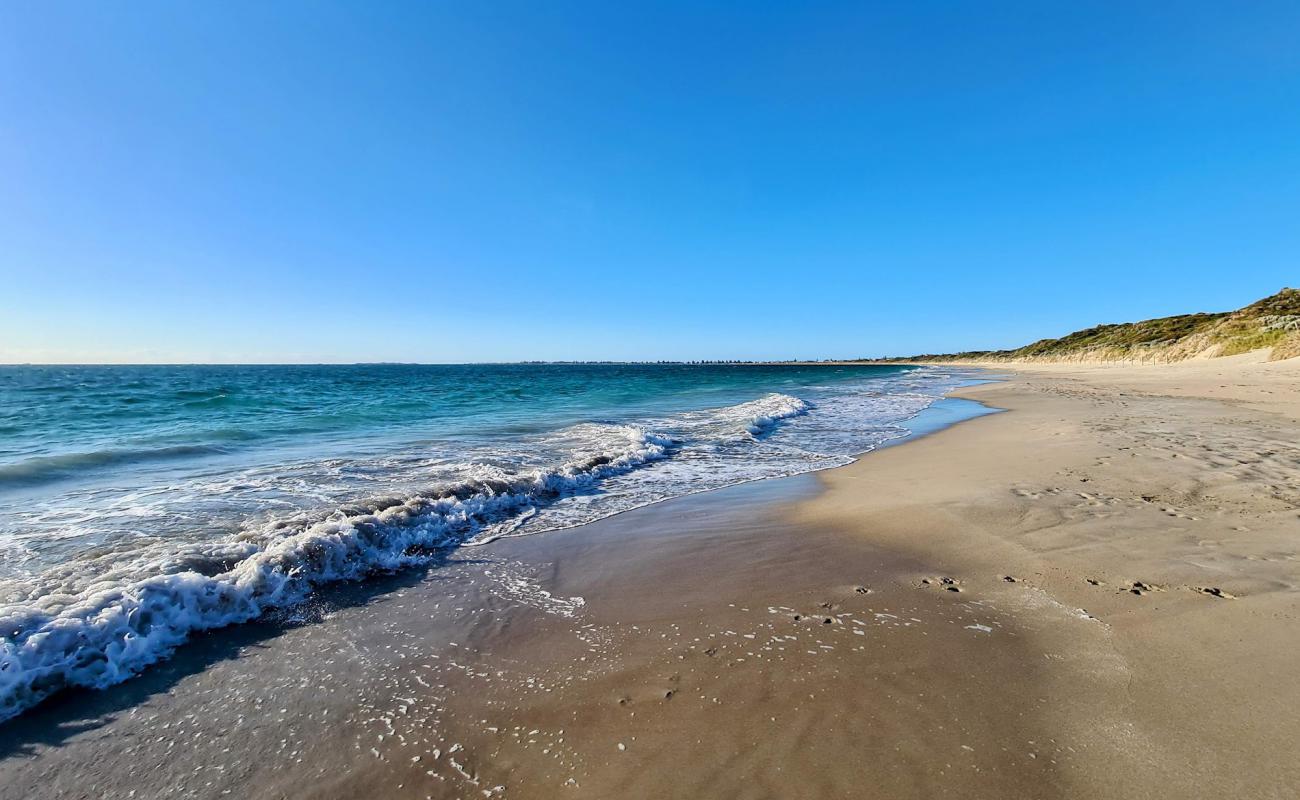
point(106, 633)
point(509, 582)
point(765, 413)
point(151, 565)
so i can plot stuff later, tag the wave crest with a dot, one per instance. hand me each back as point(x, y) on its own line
point(767, 412)
point(105, 634)
point(44, 468)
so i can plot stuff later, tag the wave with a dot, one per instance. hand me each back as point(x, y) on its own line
point(46, 468)
point(105, 615)
point(767, 412)
point(105, 634)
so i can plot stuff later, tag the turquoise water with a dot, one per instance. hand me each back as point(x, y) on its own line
point(139, 504)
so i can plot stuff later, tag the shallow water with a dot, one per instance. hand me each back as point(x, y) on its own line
point(139, 504)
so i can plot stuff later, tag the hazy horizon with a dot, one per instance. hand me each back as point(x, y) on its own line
point(810, 359)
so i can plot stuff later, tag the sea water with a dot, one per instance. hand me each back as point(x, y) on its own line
point(139, 504)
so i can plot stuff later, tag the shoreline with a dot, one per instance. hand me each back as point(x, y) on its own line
point(245, 540)
point(946, 411)
point(1161, 499)
point(487, 672)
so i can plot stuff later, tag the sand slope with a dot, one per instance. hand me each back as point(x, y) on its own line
point(1164, 500)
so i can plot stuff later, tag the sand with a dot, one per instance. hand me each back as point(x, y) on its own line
point(1164, 500)
point(1093, 594)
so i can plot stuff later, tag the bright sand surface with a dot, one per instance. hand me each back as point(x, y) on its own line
point(1093, 595)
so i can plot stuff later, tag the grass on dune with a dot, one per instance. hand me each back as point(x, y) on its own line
point(1271, 322)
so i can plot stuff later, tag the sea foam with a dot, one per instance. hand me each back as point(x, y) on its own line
point(131, 595)
point(106, 634)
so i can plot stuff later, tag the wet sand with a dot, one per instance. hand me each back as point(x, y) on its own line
point(963, 615)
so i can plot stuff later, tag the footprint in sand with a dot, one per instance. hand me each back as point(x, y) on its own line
point(674, 682)
point(1031, 494)
point(1215, 591)
point(1140, 588)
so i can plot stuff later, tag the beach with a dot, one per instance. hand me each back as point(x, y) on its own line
point(1160, 500)
point(1090, 594)
point(437, 401)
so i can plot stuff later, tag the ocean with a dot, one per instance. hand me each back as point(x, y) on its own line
point(140, 504)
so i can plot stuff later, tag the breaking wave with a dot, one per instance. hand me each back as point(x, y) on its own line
point(151, 565)
point(107, 633)
point(766, 413)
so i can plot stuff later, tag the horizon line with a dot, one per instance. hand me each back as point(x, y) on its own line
point(526, 362)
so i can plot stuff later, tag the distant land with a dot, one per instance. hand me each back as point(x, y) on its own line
point(1273, 322)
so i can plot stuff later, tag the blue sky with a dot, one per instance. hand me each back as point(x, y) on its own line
point(248, 181)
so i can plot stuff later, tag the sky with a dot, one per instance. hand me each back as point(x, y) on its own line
point(456, 181)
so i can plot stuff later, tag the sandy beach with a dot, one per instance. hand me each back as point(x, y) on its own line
point(649, 401)
point(1163, 501)
point(1092, 594)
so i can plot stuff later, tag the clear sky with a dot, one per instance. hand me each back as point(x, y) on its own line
point(313, 181)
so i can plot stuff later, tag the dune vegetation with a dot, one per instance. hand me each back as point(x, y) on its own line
point(1273, 322)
